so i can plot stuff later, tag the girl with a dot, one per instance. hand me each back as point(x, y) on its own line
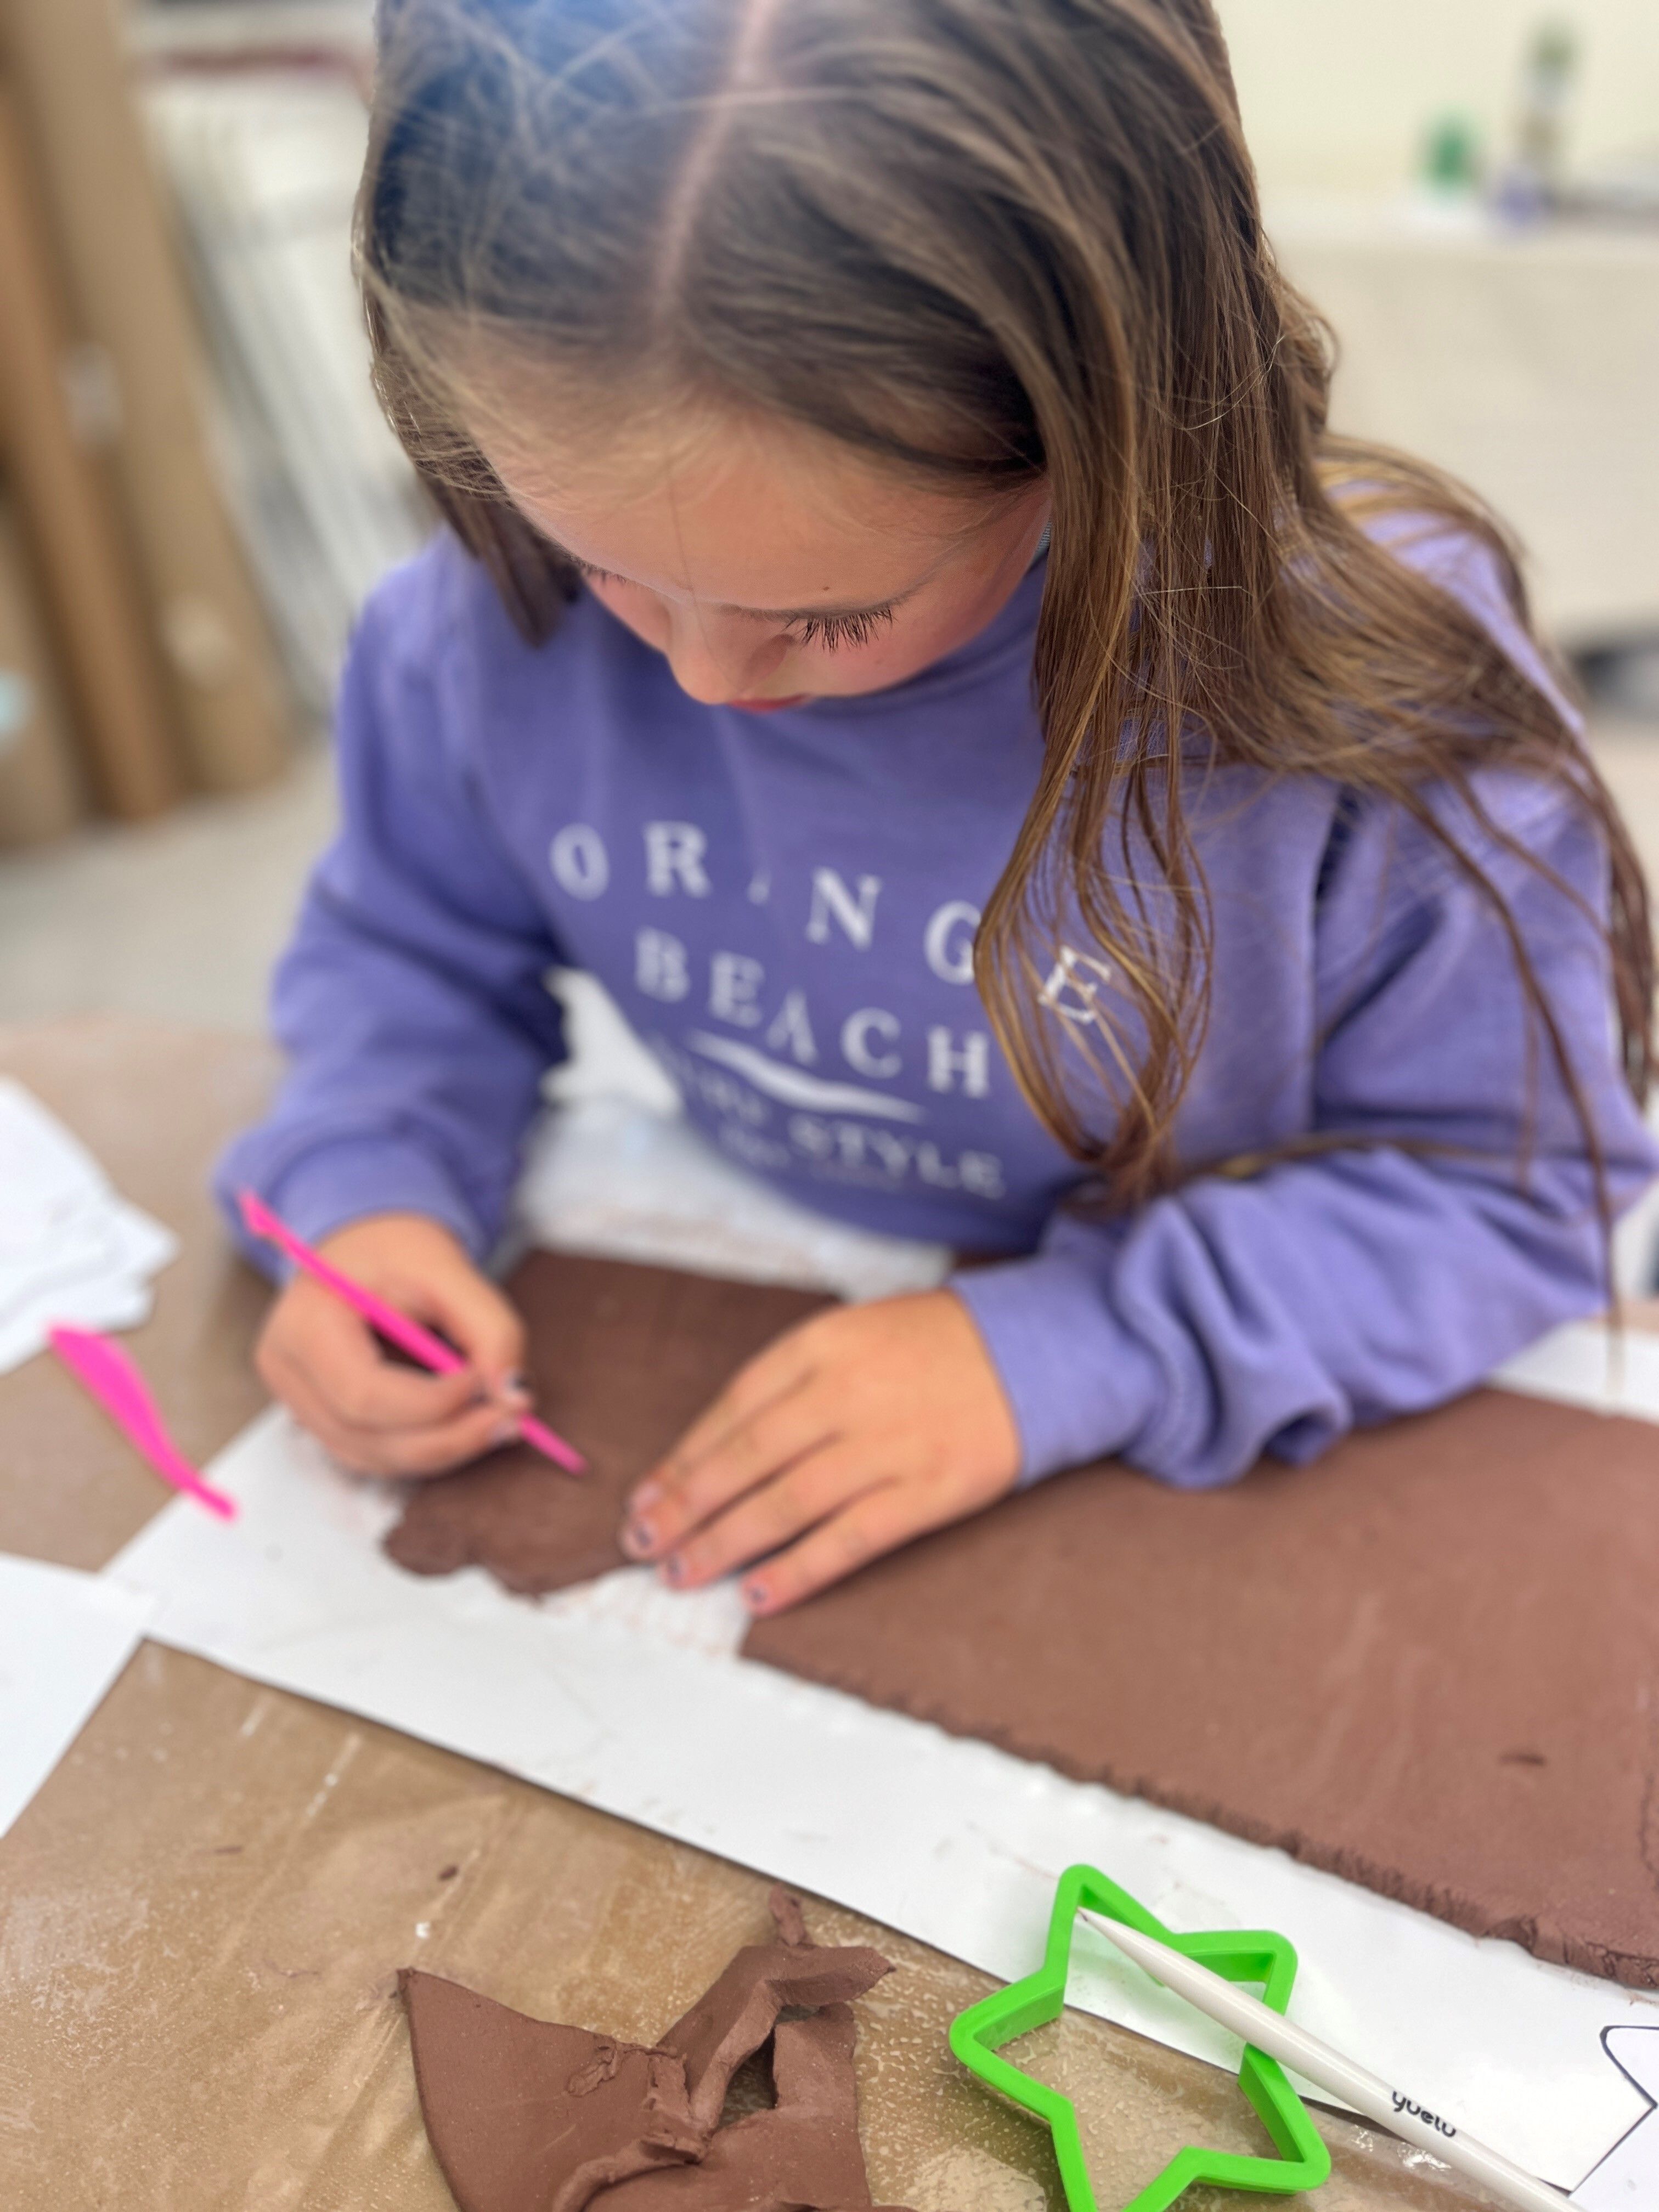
point(905, 629)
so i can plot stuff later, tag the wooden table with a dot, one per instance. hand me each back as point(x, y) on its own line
point(203, 1913)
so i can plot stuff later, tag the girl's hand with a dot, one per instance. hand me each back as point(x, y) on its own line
point(373, 1414)
point(856, 1431)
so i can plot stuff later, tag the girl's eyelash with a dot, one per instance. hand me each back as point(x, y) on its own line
point(829, 631)
point(833, 631)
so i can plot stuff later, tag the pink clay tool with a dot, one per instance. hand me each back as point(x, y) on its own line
point(397, 1328)
point(107, 1372)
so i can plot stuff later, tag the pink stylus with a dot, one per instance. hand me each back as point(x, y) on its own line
point(120, 1390)
point(397, 1328)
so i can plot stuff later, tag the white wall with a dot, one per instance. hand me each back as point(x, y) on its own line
point(1337, 93)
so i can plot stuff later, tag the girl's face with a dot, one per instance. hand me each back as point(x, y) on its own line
point(770, 566)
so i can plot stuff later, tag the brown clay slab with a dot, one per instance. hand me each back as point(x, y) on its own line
point(1430, 1663)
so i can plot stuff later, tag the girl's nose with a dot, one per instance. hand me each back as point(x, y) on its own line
point(715, 660)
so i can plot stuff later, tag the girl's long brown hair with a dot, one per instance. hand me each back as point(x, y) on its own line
point(989, 241)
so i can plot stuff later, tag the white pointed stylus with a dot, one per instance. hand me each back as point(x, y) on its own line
point(1368, 2092)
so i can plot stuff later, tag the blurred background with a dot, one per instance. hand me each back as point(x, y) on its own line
point(196, 491)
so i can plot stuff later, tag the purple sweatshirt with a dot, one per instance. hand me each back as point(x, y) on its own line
point(784, 905)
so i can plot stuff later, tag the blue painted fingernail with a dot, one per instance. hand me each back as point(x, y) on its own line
point(673, 1570)
point(636, 1537)
point(754, 1596)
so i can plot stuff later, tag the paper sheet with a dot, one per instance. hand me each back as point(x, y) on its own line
point(71, 1250)
point(1627, 2179)
point(1582, 1363)
point(632, 1699)
point(64, 1637)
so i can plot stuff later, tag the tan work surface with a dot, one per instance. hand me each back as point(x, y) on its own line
point(203, 1913)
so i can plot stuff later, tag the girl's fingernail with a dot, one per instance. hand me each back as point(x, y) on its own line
point(754, 1596)
point(636, 1538)
point(504, 1433)
point(648, 1494)
point(673, 1570)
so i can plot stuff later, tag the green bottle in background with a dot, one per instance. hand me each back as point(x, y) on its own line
point(1534, 181)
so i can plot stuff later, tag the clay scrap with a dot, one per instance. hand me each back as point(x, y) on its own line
point(527, 2116)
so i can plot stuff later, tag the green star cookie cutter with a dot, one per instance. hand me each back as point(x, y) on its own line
point(1253, 1955)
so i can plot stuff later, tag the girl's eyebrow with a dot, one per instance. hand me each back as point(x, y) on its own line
point(784, 616)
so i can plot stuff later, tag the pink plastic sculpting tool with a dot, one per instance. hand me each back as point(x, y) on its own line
point(397, 1328)
point(107, 1372)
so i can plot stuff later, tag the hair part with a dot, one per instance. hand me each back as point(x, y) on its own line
point(985, 241)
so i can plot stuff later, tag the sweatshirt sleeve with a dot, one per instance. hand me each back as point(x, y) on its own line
point(1453, 1222)
point(410, 1002)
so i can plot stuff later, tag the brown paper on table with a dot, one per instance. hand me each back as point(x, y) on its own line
point(203, 1913)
